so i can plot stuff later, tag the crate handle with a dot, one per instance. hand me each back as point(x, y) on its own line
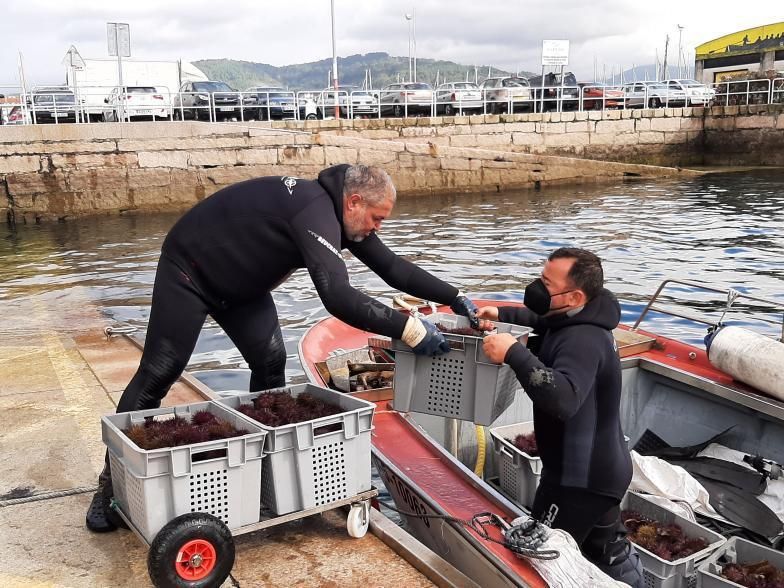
point(206, 453)
point(506, 451)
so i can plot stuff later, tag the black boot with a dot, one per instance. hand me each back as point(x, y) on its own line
point(101, 517)
point(608, 548)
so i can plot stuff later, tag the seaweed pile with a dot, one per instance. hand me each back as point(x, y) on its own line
point(665, 541)
point(177, 431)
point(754, 575)
point(276, 409)
point(527, 444)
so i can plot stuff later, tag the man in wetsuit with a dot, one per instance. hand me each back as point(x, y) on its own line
point(225, 256)
point(572, 373)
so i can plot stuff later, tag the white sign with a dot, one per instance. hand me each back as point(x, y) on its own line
point(555, 52)
point(73, 59)
point(118, 35)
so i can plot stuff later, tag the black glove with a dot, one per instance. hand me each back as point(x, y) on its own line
point(712, 332)
point(464, 307)
point(433, 344)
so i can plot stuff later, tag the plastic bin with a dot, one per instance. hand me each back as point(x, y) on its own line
point(736, 550)
point(518, 472)
point(462, 384)
point(303, 469)
point(155, 486)
point(658, 572)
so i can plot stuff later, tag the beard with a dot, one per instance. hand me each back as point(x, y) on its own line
point(353, 230)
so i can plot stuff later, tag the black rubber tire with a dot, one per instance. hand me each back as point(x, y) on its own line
point(654, 103)
point(449, 110)
point(397, 111)
point(179, 531)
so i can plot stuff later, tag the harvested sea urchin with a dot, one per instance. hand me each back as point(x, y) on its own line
point(276, 409)
point(665, 541)
point(527, 444)
point(754, 575)
point(177, 431)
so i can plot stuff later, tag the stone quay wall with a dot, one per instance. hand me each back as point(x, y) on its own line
point(51, 172)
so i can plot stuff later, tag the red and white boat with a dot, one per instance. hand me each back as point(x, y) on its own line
point(669, 387)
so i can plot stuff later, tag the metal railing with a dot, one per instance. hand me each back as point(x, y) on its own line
point(96, 104)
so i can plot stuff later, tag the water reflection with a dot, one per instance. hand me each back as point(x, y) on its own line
point(724, 230)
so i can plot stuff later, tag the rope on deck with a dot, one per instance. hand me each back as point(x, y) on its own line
point(47, 495)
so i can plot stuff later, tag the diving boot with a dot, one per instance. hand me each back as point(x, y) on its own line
point(101, 517)
point(608, 548)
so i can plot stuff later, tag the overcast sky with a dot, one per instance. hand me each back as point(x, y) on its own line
point(503, 33)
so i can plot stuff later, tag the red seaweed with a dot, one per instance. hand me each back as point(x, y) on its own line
point(177, 431)
point(527, 444)
point(668, 542)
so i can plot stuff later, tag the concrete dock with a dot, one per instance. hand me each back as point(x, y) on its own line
point(58, 375)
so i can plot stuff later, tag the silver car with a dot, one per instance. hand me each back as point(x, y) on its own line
point(506, 94)
point(652, 95)
point(354, 102)
point(458, 97)
point(407, 98)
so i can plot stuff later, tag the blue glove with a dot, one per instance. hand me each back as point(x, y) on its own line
point(712, 332)
point(434, 343)
point(464, 307)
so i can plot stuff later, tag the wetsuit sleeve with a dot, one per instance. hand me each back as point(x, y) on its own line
point(401, 274)
point(559, 390)
point(317, 233)
point(518, 315)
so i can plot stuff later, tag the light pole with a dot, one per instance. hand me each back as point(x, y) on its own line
point(335, 62)
point(680, 49)
point(411, 18)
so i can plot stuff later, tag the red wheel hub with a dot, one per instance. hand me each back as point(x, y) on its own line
point(195, 560)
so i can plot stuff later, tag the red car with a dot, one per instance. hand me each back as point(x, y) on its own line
point(596, 96)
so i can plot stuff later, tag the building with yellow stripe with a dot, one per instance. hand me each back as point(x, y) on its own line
point(759, 49)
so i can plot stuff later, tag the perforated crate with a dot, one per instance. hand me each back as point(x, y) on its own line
point(658, 572)
point(304, 468)
point(462, 384)
point(518, 472)
point(155, 486)
point(736, 550)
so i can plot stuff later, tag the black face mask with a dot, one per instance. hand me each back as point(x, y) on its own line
point(538, 299)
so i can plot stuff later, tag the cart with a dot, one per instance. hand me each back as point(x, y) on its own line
point(196, 550)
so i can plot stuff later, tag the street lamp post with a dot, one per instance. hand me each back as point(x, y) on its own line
point(412, 67)
point(409, 18)
point(335, 62)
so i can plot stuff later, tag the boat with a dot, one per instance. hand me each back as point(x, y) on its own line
point(669, 387)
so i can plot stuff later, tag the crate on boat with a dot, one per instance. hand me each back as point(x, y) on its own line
point(221, 478)
point(661, 573)
point(736, 550)
point(518, 472)
point(305, 467)
point(462, 384)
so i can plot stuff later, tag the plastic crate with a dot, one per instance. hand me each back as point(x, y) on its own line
point(462, 384)
point(658, 572)
point(155, 486)
point(736, 550)
point(518, 472)
point(303, 469)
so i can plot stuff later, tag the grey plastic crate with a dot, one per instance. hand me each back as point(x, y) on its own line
point(155, 486)
point(518, 472)
point(462, 384)
point(658, 572)
point(303, 469)
point(736, 550)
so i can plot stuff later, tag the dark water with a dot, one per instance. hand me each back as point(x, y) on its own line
point(721, 229)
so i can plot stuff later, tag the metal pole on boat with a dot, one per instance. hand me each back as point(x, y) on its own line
point(334, 62)
point(452, 436)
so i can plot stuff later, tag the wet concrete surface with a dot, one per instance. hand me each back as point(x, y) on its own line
point(58, 376)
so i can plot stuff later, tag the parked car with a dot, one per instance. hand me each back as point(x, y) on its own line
point(696, 93)
point(353, 102)
point(457, 97)
point(555, 91)
point(598, 96)
point(136, 102)
point(503, 94)
point(269, 102)
point(207, 100)
point(53, 105)
point(407, 98)
point(652, 95)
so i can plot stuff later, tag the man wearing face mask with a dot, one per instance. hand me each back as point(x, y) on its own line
point(572, 373)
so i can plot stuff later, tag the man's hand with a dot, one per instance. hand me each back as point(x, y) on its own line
point(488, 312)
point(497, 346)
point(432, 343)
point(463, 306)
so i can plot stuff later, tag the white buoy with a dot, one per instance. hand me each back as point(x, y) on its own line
point(750, 358)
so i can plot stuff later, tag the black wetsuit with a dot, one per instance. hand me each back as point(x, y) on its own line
point(574, 381)
point(226, 255)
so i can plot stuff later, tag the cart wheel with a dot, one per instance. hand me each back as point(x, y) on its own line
point(358, 519)
point(194, 551)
